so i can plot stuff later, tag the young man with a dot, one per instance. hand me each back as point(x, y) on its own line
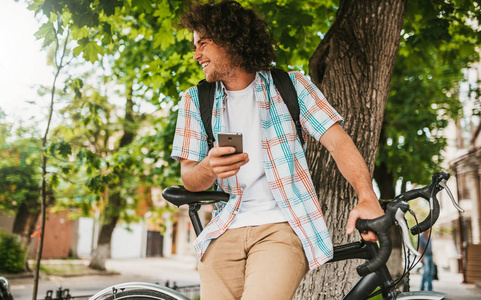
point(262, 242)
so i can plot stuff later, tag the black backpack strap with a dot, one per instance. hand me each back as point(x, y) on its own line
point(286, 88)
point(206, 102)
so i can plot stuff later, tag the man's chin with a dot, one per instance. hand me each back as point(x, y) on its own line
point(214, 76)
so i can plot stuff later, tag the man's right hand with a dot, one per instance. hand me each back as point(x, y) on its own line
point(221, 162)
point(225, 163)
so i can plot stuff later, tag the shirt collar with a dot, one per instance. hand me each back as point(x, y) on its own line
point(260, 77)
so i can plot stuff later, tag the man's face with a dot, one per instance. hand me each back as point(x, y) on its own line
point(215, 61)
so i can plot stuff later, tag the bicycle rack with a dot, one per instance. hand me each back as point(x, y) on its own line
point(60, 294)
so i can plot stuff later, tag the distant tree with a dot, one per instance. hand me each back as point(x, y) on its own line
point(20, 156)
point(437, 42)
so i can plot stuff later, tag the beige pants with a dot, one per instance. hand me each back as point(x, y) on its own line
point(251, 263)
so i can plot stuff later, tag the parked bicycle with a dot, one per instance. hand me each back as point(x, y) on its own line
point(375, 276)
point(5, 289)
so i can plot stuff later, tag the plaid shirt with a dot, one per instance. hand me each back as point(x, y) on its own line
point(284, 160)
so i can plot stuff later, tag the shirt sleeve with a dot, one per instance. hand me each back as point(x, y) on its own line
point(317, 115)
point(190, 141)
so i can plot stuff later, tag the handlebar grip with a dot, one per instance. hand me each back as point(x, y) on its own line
point(385, 247)
point(385, 244)
point(430, 219)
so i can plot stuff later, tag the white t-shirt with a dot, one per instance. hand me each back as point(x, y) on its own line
point(258, 205)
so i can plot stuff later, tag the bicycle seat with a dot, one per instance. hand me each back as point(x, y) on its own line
point(178, 196)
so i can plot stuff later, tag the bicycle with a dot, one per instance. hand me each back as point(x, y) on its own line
point(374, 273)
point(5, 289)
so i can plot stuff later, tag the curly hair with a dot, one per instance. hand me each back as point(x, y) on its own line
point(242, 33)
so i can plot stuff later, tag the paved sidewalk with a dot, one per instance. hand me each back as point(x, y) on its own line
point(181, 270)
point(450, 283)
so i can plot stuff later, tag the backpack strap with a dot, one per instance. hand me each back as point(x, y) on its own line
point(206, 102)
point(286, 88)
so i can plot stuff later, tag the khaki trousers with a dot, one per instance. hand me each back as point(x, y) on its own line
point(251, 263)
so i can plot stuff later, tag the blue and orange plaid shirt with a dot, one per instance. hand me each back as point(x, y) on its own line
point(284, 159)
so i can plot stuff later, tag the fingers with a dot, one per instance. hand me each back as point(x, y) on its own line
point(369, 236)
point(224, 163)
point(221, 151)
point(351, 222)
point(351, 226)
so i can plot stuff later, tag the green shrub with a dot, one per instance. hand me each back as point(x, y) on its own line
point(12, 256)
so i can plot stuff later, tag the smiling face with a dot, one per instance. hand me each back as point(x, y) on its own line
point(215, 61)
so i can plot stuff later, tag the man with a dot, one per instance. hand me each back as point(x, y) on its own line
point(427, 260)
point(262, 242)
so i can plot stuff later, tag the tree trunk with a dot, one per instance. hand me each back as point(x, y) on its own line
point(352, 66)
point(24, 226)
point(111, 216)
point(116, 202)
point(24, 223)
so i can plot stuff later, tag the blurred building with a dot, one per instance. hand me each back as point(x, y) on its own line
point(158, 231)
point(464, 158)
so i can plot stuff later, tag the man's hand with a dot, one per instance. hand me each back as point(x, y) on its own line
point(199, 176)
point(224, 162)
point(365, 209)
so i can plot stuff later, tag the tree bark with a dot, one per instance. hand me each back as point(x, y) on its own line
point(352, 66)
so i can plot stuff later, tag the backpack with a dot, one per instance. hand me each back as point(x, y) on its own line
point(283, 84)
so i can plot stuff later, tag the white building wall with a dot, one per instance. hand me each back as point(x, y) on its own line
point(129, 241)
point(85, 236)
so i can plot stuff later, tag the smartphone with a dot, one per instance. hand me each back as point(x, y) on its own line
point(233, 139)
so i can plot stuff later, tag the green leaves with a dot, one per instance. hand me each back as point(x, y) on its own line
point(61, 148)
point(47, 33)
point(436, 44)
point(90, 50)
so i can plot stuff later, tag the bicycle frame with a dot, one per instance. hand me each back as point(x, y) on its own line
point(367, 284)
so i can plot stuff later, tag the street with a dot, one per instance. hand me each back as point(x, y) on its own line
point(182, 270)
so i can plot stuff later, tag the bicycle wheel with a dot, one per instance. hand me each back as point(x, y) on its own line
point(138, 291)
point(419, 295)
point(4, 289)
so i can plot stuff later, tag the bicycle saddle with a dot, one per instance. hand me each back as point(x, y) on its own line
point(178, 196)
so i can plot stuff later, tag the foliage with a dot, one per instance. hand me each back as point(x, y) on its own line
point(12, 254)
point(437, 42)
point(20, 157)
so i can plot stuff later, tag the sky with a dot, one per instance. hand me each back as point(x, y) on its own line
point(23, 65)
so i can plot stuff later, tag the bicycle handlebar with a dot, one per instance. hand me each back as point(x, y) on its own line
point(394, 212)
point(428, 193)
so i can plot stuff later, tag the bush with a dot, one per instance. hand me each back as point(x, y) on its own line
point(12, 256)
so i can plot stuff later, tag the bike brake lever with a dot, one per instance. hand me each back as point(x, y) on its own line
point(443, 184)
point(404, 228)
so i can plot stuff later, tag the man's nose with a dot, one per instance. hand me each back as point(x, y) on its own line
point(197, 54)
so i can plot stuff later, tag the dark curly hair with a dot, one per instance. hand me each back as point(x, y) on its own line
point(242, 33)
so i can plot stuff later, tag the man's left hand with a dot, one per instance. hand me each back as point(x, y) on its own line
point(367, 209)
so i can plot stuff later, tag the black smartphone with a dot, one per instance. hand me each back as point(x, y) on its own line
point(233, 139)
